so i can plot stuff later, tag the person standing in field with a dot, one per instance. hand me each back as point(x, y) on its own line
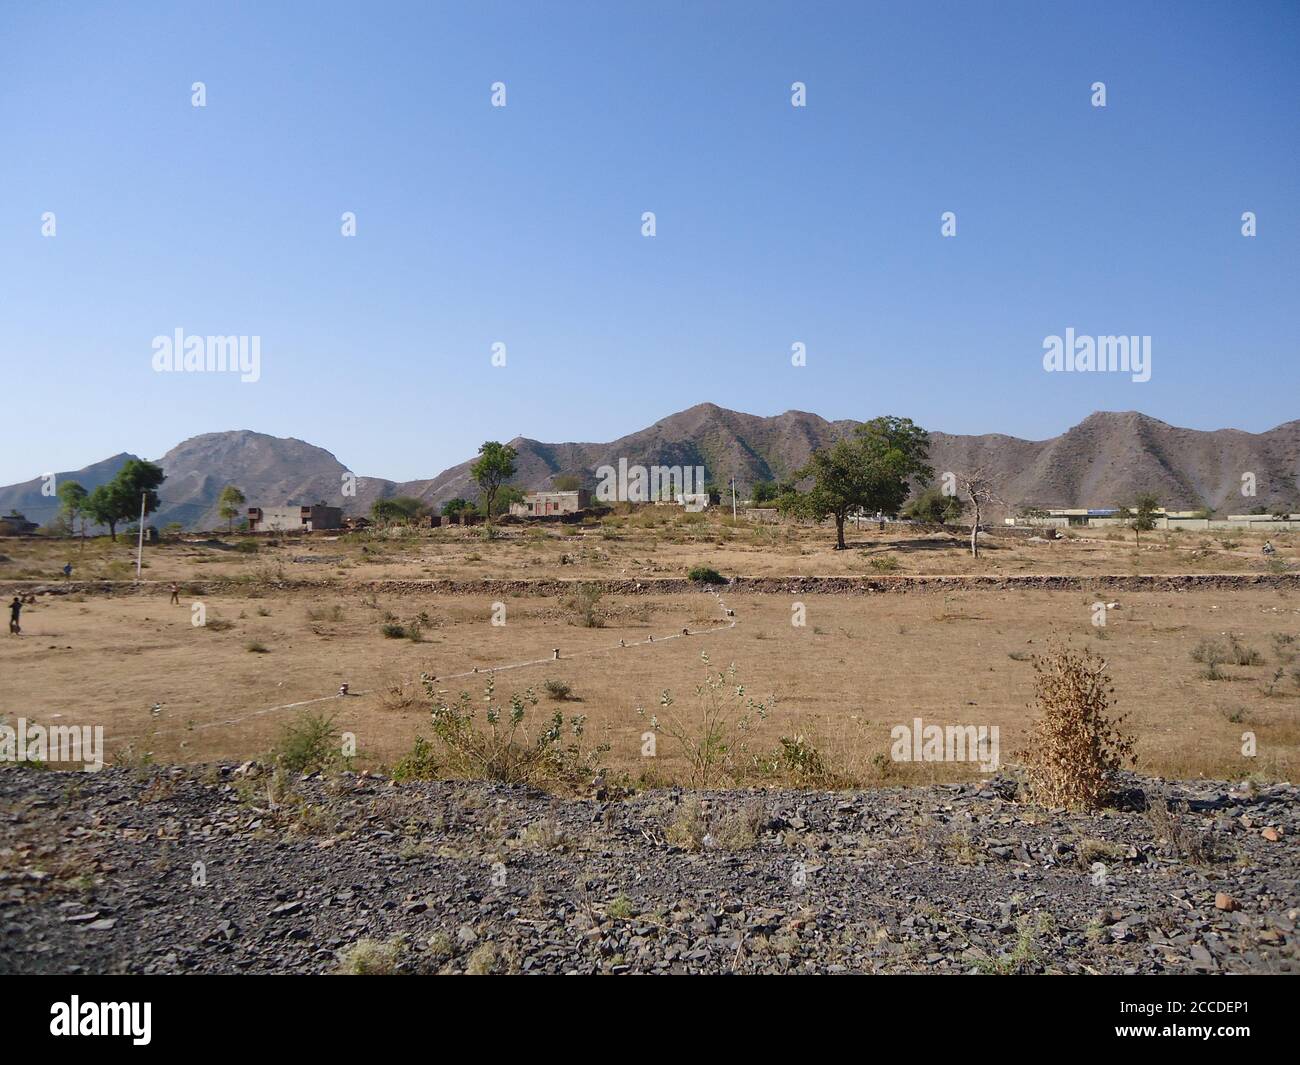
point(15, 608)
point(176, 593)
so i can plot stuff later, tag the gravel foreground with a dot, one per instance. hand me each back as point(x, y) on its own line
point(225, 869)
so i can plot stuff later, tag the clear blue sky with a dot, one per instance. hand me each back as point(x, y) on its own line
point(522, 224)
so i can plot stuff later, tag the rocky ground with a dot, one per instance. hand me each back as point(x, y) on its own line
point(235, 869)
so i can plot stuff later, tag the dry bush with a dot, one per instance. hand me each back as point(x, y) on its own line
point(584, 606)
point(503, 748)
point(1075, 747)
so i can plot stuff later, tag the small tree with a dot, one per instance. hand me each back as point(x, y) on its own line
point(978, 488)
point(384, 511)
point(495, 466)
point(1143, 515)
point(935, 507)
point(1075, 748)
point(72, 500)
point(453, 507)
point(229, 505)
point(506, 495)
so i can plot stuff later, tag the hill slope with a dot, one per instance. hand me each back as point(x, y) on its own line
point(1106, 459)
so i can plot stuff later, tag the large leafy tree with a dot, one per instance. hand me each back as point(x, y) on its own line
point(230, 504)
point(493, 468)
point(119, 499)
point(872, 469)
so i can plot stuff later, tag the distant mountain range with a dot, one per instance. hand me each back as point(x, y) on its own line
point(1106, 459)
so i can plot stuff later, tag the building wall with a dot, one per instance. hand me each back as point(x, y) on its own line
point(542, 504)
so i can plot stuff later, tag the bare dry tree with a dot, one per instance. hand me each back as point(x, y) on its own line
point(977, 486)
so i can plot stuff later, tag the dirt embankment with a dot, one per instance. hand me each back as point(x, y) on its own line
point(875, 585)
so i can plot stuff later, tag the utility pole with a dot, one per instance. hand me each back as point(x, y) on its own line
point(139, 547)
point(733, 498)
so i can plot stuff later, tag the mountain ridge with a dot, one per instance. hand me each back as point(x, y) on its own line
point(1106, 459)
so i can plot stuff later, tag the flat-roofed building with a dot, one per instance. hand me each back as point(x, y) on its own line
point(294, 518)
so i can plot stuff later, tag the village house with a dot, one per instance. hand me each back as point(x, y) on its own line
point(546, 504)
point(294, 518)
point(15, 524)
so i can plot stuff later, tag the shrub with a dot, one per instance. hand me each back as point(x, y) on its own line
point(1213, 654)
point(257, 647)
point(620, 907)
point(419, 763)
point(1168, 827)
point(393, 630)
point(801, 764)
point(715, 736)
point(584, 603)
point(1075, 747)
point(1243, 655)
point(558, 690)
point(308, 744)
point(733, 830)
point(500, 748)
point(883, 563)
point(368, 957)
point(705, 575)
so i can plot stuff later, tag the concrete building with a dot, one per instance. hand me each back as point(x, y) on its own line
point(15, 524)
point(547, 504)
point(1108, 517)
point(294, 518)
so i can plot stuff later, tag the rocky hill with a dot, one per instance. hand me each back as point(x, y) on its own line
point(1105, 460)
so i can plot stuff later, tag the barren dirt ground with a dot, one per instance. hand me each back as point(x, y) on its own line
point(858, 666)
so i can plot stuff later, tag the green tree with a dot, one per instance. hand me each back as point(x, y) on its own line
point(230, 503)
point(493, 468)
point(386, 511)
point(119, 499)
point(506, 495)
point(935, 507)
point(72, 501)
point(764, 492)
point(872, 469)
point(1142, 517)
point(455, 506)
point(410, 508)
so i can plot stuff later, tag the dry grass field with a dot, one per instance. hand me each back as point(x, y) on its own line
point(857, 667)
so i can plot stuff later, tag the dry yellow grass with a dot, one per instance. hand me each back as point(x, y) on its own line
point(859, 666)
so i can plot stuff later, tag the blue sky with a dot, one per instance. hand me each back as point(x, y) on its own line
point(523, 224)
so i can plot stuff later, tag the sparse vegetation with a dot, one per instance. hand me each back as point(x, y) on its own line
point(501, 746)
point(1075, 747)
point(705, 575)
point(308, 744)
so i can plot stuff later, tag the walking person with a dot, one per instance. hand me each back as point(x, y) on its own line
point(67, 571)
point(15, 608)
